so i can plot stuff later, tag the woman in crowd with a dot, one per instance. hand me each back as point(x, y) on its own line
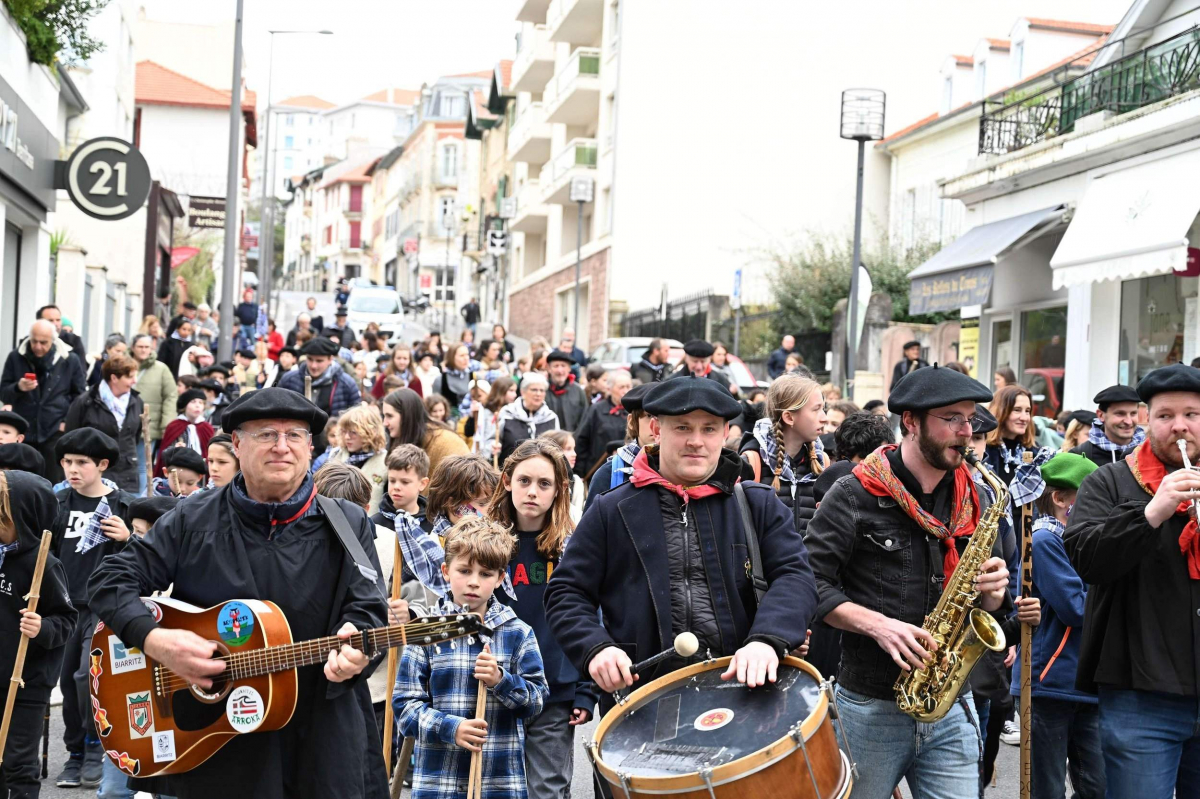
point(171, 350)
point(114, 408)
point(578, 493)
point(274, 341)
point(1078, 427)
point(364, 446)
point(156, 386)
point(499, 333)
point(427, 374)
point(1014, 433)
point(456, 377)
point(222, 461)
point(503, 392)
point(1003, 376)
point(113, 345)
point(435, 347)
point(720, 363)
point(407, 422)
point(438, 408)
point(398, 373)
point(262, 370)
point(153, 328)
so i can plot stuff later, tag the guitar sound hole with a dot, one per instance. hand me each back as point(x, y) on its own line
point(191, 714)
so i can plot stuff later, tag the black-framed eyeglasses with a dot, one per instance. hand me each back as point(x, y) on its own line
point(958, 420)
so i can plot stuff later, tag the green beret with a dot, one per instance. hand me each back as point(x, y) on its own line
point(1067, 470)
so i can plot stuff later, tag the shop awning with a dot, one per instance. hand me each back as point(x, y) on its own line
point(1131, 223)
point(961, 272)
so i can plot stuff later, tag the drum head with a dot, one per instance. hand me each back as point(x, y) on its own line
point(704, 721)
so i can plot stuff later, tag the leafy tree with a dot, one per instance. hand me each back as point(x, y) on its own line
point(56, 30)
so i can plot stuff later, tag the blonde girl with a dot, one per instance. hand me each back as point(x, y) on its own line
point(364, 446)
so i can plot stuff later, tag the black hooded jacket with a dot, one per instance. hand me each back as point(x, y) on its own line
point(33, 509)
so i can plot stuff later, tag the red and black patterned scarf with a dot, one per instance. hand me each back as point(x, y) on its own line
point(876, 475)
point(1149, 472)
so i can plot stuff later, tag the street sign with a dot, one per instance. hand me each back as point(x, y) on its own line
point(735, 299)
point(107, 178)
point(497, 242)
point(411, 246)
point(449, 217)
point(583, 189)
point(508, 207)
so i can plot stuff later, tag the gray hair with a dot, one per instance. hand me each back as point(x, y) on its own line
point(529, 378)
point(113, 340)
point(612, 376)
point(139, 337)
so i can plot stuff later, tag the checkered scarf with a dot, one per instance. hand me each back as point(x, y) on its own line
point(1097, 437)
point(1027, 483)
point(442, 525)
point(93, 535)
point(1047, 522)
point(422, 553)
point(769, 450)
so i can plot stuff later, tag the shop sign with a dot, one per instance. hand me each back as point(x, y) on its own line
point(950, 291)
point(27, 153)
point(107, 178)
point(206, 213)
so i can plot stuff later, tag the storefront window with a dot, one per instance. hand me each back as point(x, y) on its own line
point(1158, 325)
point(1001, 346)
point(1043, 356)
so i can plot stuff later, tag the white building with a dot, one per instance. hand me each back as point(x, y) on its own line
point(297, 141)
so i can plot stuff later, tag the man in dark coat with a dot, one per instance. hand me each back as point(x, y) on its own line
point(95, 409)
point(1114, 432)
point(777, 361)
point(665, 544)
point(53, 315)
point(697, 361)
point(247, 310)
point(652, 368)
point(170, 352)
point(605, 421)
point(911, 362)
point(263, 536)
point(345, 333)
point(1131, 539)
point(564, 396)
point(44, 400)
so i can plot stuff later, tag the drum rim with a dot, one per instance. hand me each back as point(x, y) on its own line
point(734, 769)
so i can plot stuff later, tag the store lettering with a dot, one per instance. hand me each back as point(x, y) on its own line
point(9, 138)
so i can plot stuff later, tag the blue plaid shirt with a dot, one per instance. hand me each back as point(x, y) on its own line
point(436, 691)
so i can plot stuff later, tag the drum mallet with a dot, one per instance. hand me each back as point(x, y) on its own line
point(686, 645)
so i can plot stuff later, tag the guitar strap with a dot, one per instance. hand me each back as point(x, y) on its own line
point(341, 526)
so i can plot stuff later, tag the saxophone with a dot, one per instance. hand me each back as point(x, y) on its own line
point(963, 632)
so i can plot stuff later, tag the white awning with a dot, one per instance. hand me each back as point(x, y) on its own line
point(1131, 223)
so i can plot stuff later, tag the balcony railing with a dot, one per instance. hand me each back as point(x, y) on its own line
point(579, 153)
point(522, 128)
point(584, 61)
point(1166, 69)
point(530, 49)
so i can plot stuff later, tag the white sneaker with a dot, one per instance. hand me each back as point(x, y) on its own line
point(1011, 734)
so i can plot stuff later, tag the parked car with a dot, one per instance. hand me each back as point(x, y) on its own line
point(374, 304)
point(1045, 386)
point(623, 353)
point(742, 375)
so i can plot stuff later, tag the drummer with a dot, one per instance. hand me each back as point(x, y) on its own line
point(666, 553)
point(883, 540)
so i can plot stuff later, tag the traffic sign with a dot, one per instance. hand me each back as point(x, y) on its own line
point(107, 178)
point(508, 207)
point(735, 299)
point(583, 189)
point(497, 242)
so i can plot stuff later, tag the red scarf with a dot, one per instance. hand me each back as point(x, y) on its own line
point(876, 475)
point(558, 391)
point(1149, 472)
point(645, 475)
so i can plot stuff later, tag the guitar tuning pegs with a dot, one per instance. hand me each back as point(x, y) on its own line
point(437, 649)
point(470, 640)
point(453, 645)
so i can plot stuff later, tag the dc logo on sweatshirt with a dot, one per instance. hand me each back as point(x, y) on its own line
point(77, 523)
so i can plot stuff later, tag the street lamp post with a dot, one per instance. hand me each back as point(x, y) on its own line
point(266, 218)
point(583, 190)
point(862, 120)
point(228, 268)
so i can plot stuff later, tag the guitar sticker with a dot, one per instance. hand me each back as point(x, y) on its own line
point(130, 765)
point(99, 627)
point(164, 746)
point(95, 669)
point(124, 658)
point(245, 709)
point(235, 624)
point(100, 716)
point(141, 718)
point(713, 719)
point(154, 609)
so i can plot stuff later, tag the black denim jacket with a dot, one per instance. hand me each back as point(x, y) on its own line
point(864, 549)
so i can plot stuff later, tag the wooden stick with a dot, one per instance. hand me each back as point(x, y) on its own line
point(393, 663)
point(1026, 778)
point(308, 387)
point(146, 451)
point(35, 590)
point(475, 782)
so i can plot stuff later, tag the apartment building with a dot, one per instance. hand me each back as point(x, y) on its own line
point(298, 136)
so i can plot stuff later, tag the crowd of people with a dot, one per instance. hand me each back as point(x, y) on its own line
point(552, 498)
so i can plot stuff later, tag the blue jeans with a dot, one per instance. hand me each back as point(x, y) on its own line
point(939, 761)
point(1151, 744)
point(1066, 734)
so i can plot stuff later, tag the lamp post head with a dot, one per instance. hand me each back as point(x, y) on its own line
point(863, 112)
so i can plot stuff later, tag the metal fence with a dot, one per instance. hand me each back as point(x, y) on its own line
point(685, 318)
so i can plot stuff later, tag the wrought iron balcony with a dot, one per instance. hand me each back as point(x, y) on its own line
point(1166, 69)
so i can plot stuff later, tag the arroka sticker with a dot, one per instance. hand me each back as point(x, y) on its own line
point(141, 718)
point(235, 624)
point(245, 709)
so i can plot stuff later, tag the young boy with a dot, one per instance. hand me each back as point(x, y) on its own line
point(27, 507)
point(1066, 721)
point(183, 473)
point(436, 686)
point(408, 477)
point(12, 427)
point(84, 454)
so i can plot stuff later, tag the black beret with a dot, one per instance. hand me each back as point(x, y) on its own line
point(682, 395)
point(272, 403)
point(1114, 394)
point(184, 458)
point(559, 355)
point(151, 509)
point(22, 457)
point(923, 389)
point(910, 345)
point(295, 352)
point(635, 396)
point(90, 442)
point(246, 352)
point(1084, 417)
point(321, 347)
point(228, 366)
point(216, 368)
point(699, 348)
point(984, 421)
point(211, 385)
point(14, 420)
point(341, 311)
point(188, 396)
point(1176, 377)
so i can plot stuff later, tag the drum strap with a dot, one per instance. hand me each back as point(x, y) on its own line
point(754, 567)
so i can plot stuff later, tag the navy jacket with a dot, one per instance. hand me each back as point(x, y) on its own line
point(60, 381)
point(617, 561)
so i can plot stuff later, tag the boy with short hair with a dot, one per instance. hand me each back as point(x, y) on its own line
point(436, 686)
point(408, 477)
point(27, 506)
point(81, 542)
point(183, 473)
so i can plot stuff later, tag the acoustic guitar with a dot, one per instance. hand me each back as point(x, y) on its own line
point(151, 721)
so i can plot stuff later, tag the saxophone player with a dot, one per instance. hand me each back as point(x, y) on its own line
point(1132, 537)
point(883, 541)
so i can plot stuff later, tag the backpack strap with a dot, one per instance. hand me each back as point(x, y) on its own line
point(754, 565)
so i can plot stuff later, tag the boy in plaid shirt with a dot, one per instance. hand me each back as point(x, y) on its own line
point(436, 685)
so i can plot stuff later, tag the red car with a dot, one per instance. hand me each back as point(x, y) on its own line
point(1045, 385)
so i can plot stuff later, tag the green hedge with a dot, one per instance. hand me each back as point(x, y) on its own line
point(56, 30)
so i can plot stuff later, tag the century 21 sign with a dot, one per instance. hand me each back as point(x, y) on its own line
point(107, 178)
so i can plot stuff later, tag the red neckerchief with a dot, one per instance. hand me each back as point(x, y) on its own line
point(1149, 472)
point(615, 410)
point(876, 475)
point(558, 392)
point(300, 512)
point(645, 475)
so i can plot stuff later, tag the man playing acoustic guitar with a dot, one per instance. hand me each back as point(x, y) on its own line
point(262, 536)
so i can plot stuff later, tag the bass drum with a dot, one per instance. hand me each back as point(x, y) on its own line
point(690, 734)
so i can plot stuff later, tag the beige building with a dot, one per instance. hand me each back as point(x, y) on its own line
point(489, 122)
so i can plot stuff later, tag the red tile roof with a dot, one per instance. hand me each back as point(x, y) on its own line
point(356, 175)
point(505, 67)
point(394, 96)
point(154, 84)
point(487, 73)
point(963, 60)
point(904, 131)
point(306, 101)
point(999, 44)
point(1068, 27)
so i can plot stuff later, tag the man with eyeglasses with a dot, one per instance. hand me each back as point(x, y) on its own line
point(262, 536)
point(882, 543)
